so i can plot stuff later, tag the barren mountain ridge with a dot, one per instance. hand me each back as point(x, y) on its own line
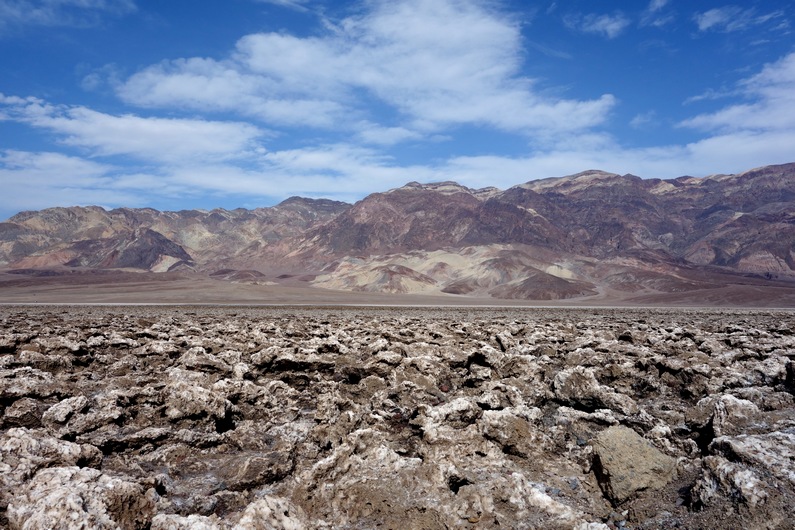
point(578, 236)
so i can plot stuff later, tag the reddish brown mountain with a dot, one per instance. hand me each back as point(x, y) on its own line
point(583, 236)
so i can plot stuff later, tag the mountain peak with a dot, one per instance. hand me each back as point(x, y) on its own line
point(295, 200)
point(592, 174)
point(448, 187)
point(445, 187)
point(578, 181)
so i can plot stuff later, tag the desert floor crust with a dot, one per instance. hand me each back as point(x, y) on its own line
point(303, 417)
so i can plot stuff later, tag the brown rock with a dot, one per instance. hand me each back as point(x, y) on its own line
point(626, 464)
point(578, 387)
point(25, 412)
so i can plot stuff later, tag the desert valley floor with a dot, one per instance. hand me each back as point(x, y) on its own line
point(210, 417)
point(75, 286)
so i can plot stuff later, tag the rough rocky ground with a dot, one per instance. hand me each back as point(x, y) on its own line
point(250, 418)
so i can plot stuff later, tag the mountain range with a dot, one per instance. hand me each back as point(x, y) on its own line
point(590, 236)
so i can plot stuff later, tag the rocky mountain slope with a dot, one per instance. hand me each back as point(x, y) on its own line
point(190, 238)
point(581, 236)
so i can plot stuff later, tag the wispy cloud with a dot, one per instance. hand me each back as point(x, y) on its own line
point(400, 71)
point(732, 18)
point(76, 170)
point(644, 120)
point(712, 94)
point(655, 15)
point(757, 131)
point(610, 26)
point(81, 13)
point(656, 5)
point(151, 139)
point(133, 160)
point(298, 5)
point(550, 52)
point(434, 63)
point(33, 181)
point(770, 98)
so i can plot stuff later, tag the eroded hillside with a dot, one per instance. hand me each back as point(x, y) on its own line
point(593, 235)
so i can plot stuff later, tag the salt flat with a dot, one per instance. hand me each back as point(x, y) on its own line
point(200, 416)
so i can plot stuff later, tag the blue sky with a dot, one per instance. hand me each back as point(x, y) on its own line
point(184, 104)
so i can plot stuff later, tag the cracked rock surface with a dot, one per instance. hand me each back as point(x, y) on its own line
point(299, 418)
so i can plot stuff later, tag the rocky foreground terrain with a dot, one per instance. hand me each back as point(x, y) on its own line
point(251, 418)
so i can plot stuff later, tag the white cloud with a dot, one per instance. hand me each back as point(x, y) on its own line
point(654, 15)
point(550, 52)
point(39, 165)
point(719, 17)
point(757, 131)
point(428, 66)
point(208, 85)
point(33, 181)
point(718, 154)
point(656, 5)
point(734, 18)
point(610, 26)
point(60, 12)
point(298, 5)
point(644, 120)
point(711, 94)
point(97, 78)
point(437, 63)
point(771, 95)
point(149, 139)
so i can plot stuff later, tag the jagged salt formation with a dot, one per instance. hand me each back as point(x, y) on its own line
point(220, 418)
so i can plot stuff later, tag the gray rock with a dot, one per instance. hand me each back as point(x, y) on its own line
point(272, 513)
point(63, 410)
point(74, 498)
point(23, 452)
point(191, 522)
point(578, 387)
point(772, 453)
point(725, 479)
point(514, 434)
point(626, 464)
point(185, 400)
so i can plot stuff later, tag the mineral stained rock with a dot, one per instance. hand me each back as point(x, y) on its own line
point(224, 418)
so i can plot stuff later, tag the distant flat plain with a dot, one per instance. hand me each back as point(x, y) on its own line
point(120, 287)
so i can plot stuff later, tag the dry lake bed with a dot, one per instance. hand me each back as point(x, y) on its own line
point(178, 417)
